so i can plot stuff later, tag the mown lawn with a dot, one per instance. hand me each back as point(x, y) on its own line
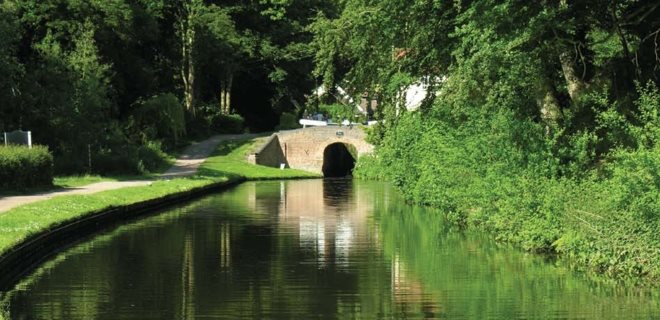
point(79, 181)
point(20, 223)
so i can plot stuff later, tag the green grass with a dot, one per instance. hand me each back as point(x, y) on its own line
point(79, 181)
point(230, 160)
point(76, 181)
point(228, 163)
point(20, 223)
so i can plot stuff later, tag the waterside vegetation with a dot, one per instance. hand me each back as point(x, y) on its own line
point(540, 125)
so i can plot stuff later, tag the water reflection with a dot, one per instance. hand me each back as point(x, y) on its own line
point(327, 215)
point(309, 249)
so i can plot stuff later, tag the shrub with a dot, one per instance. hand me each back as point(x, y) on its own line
point(288, 121)
point(22, 167)
point(151, 157)
point(227, 123)
point(130, 159)
point(163, 116)
point(208, 119)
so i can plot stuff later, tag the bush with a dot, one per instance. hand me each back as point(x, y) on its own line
point(22, 167)
point(208, 119)
point(288, 121)
point(227, 123)
point(161, 117)
point(130, 159)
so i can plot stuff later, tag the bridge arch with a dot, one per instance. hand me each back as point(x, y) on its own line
point(339, 160)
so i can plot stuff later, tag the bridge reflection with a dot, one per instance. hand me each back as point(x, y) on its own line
point(334, 228)
point(328, 227)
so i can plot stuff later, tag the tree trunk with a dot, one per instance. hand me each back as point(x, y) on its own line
point(574, 83)
point(225, 93)
point(222, 98)
point(548, 106)
point(187, 31)
point(230, 83)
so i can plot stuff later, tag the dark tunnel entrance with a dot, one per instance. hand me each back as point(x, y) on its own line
point(338, 161)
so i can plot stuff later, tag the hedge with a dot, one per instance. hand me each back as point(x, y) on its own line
point(22, 167)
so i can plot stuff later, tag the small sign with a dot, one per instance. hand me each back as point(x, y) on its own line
point(18, 137)
point(340, 134)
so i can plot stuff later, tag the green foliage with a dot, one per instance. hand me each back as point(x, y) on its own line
point(10, 68)
point(130, 159)
point(210, 120)
point(161, 117)
point(227, 123)
point(647, 133)
point(109, 75)
point(501, 173)
point(22, 167)
point(535, 115)
point(338, 112)
point(288, 121)
point(368, 168)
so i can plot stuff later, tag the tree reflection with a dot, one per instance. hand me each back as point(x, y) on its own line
point(297, 250)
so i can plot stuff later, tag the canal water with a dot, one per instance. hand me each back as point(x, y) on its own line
point(310, 249)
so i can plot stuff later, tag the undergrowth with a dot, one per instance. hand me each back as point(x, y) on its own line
point(492, 169)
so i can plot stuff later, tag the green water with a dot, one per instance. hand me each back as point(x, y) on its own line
point(310, 249)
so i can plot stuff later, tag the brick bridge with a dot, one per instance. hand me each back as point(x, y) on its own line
point(330, 150)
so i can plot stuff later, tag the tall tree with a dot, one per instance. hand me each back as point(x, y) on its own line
point(188, 13)
point(10, 68)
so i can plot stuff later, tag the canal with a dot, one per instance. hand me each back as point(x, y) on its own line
point(310, 249)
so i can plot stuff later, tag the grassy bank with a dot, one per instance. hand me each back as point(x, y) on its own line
point(20, 223)
point(226, 164)
point(229, 160)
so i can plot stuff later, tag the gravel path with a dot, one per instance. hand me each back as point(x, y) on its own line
point(186, 165)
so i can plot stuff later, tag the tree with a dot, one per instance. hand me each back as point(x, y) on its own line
point(188, 13)
point(223, 46)
point(10, 68)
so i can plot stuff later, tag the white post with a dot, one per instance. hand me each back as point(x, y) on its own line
point(29, 136)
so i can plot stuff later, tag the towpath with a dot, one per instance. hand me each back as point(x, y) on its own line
point(186, 165)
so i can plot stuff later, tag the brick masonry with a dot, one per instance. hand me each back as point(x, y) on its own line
point(269, 154)
point(303, 148)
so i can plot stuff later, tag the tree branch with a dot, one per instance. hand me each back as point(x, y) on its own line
point(639, 11)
